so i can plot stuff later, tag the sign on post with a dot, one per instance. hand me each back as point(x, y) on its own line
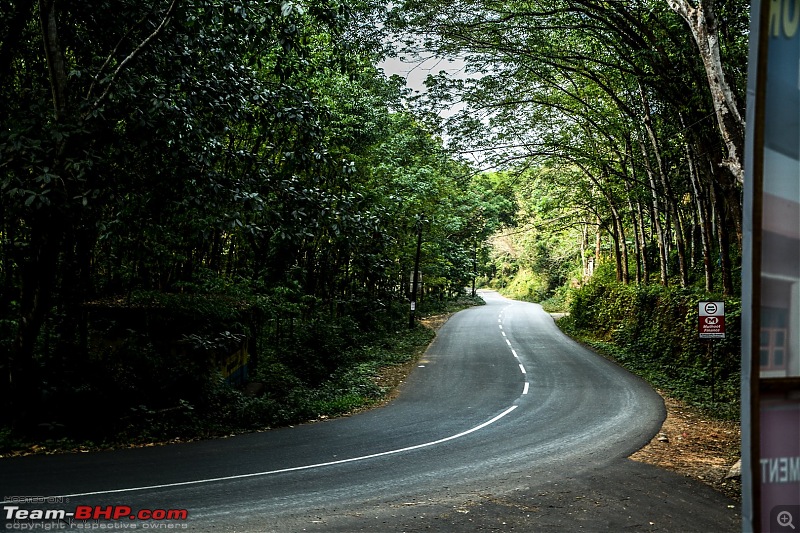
point(712, 320)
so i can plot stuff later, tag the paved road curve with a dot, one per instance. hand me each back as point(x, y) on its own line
point(501, 399)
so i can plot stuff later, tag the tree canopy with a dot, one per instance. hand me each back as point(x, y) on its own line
point(631, 110)
point(254, 153)
point(210, 146)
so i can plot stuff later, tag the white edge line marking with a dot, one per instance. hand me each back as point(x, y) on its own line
point(525, 388)
point(297, 468)
point(522, 368)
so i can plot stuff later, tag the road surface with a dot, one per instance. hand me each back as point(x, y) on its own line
point(501, 404)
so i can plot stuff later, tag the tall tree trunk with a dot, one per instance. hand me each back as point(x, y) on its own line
point(703, 219)
point(621, 251)
point(56, 66)
point(661, 238)
point(597, 243)
point(626, 158)
point(723, 238)
point(680, 238)
point(584, 246)
point(48, 226)
point(702, 21)
point(669, 196)
point(636, 244)
point(643, 243)
point(613, 232)
point(638, 221)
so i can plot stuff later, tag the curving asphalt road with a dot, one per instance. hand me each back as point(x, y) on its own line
point(501, 406)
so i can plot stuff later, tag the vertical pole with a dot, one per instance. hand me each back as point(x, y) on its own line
point(415, 283)
point(713, 373)
point(474, 265)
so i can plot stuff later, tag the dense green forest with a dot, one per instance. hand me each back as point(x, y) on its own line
point(618, 127)
point(182, 180)
point(180, 176)
point(606, 115)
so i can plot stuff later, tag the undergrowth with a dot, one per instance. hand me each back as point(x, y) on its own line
point(653, 332)
point(308, 368)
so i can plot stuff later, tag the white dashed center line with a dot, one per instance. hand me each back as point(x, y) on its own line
point(526, 386)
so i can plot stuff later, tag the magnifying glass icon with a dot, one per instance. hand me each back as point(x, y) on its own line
point(785, 519)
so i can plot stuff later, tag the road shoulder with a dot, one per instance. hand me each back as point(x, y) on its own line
point(693, 445)
point(623, 496)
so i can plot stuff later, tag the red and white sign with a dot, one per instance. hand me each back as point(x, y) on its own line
point(712, 320)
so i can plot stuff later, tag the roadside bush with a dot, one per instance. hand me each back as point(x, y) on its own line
point(653, 331)
point(149, 372)
point(430, 306)
point(559, 301)
point(528, 286)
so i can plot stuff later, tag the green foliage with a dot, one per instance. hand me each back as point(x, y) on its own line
point(231, 171)
point(653, 331)
point(601, 111)
point(559, 302)
point(437, 306)
point(525, 285)
point(216, 407)
point(534, 259)
point(146, 394)
point(225, 171)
